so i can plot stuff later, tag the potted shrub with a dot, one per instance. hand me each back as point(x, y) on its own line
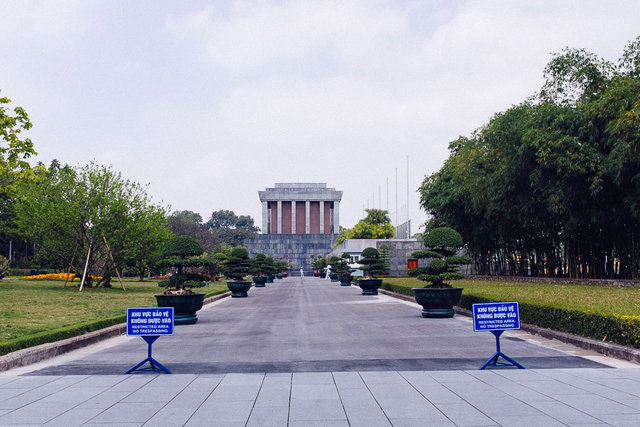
point(270, 268)
point(182, 255)
point(384, 256)
point(259, 266)
point(333, 262)
point(372, 265)
point(438, 298)
point(237, 266)
point(318, 265)
point(343, 270)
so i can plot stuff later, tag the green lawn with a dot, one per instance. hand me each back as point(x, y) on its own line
point(32, 306)
point(590, 298)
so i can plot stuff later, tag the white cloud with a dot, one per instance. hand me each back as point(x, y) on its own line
point(212, 103)
point(50, 25)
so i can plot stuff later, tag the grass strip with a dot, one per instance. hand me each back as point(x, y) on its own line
point(42, 311)
point(606, 313)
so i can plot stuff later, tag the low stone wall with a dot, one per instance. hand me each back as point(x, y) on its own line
point(400, 251)
point(297, 247)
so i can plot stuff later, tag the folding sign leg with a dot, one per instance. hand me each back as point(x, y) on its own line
point(493, 360)
point(155, 365)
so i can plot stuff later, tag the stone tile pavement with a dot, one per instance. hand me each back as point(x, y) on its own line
point(499, 397)
point(313, 354)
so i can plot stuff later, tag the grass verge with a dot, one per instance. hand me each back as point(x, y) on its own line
point(607, 313)
point(34, 312)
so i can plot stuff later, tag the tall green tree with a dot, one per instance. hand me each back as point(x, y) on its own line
point(189, 223)
point(550, 186)
point(230, 228)
point(376, 225)
point(14, 168)
point(71, 214)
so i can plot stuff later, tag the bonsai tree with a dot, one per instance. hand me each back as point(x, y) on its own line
point(282, 266)
point(371, 263)
point(237, 264)
point(318, 264)
point(214, 269)
point(182, 254)
point(341, 265)
point(259, 265)
point(442, 244)
point(384, 255)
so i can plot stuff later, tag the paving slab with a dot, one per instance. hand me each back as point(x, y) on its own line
point(316, 326)
point(316, 353)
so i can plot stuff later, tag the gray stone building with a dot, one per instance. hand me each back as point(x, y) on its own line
point(298, 220)
point(400, 251)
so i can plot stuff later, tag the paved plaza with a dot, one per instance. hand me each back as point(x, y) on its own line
point(304, 353)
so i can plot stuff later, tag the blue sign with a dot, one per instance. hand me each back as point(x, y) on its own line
point(150, 321)
point(494, 316)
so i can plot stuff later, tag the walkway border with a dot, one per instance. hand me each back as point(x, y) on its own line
point(42, 352)
point(606, 348)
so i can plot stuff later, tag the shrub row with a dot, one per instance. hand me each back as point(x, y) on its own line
point(623, 330)
point(59, 334)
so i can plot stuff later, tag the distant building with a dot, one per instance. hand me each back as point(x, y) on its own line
point(298, 220)
point(400, 251)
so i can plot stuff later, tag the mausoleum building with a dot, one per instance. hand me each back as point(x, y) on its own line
point(300, 208)
point(298, 220)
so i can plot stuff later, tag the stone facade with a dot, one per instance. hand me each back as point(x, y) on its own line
point(298, 220)
point(400, 251)
point(297, 248)
point(300, 208)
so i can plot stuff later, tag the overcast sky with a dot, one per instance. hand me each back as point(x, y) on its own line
point(210, 102)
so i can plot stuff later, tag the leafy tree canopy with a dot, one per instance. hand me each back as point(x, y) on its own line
point(550, 186)
point(376, 225)
point(14, 150)
point(231, 228)
point(75, 210)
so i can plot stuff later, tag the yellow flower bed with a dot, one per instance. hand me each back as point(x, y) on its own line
point(57, 276)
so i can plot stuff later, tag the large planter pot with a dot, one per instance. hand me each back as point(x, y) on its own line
point(370, 286)
point(270, 278)
point(334, 277)
point(259, 281)
point(345, 279)
point(239, 289)
point(184, 306)
point(437, 302)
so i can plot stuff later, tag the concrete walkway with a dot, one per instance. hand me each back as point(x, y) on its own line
point(315, 353)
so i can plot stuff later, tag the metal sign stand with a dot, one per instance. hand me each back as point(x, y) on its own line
point(493, 360)
point(155, 365)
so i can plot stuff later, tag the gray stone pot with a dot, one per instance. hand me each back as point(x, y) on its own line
point(239, 289)
point(345, 279)
point(184, 306)
point(260, 281)
point(370, 286)
point(437, 302)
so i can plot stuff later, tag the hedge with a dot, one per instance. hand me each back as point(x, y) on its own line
point(16, 344)
point(620, 329)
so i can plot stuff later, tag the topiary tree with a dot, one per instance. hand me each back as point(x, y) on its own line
point(442, 243)
point(238, 264)
point(182, 253)
point(318, 264)
point(341, 265)
point(384, 255)
point(260, 265)
point(371, 263)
